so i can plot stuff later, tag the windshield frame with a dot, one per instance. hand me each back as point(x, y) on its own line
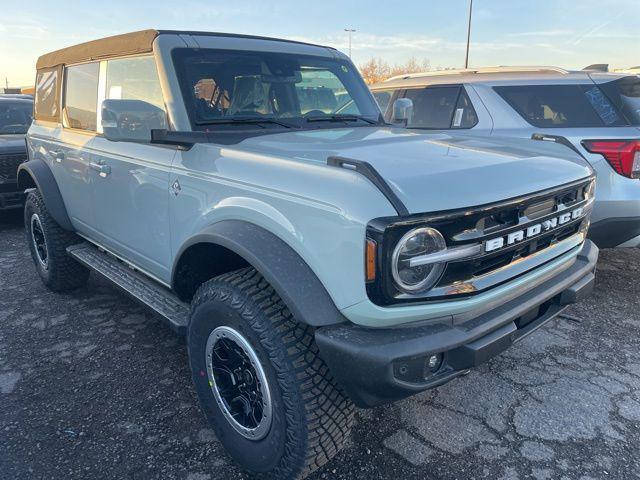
point(355, 87)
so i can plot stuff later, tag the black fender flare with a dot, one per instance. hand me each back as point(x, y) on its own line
point(280, 265)
point(37, 172)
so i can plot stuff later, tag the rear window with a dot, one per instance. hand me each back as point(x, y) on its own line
point(625, 94)
point(559, 106)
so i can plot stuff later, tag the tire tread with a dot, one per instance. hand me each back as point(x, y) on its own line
point(326, 413)
point(64, 273)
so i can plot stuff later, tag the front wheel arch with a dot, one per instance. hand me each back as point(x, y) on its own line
point(243, 244)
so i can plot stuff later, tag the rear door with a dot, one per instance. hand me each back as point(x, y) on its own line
point(70, 153)
point(131, 180)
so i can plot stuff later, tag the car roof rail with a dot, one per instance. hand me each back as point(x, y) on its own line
point(597, 67)
point(495, 69)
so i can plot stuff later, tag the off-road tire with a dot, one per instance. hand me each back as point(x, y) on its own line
point(311, 416)
point(62, 273)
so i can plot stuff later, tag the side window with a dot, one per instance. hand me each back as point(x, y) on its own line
point(81, 96)
point(433, 107)
point(383, 98)
point(464, 115)
point(562, 106)
point(134, 79)
point(46, 101)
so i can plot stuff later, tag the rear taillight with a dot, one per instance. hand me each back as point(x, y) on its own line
point(623, 155)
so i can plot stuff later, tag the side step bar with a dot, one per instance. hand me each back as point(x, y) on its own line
point(143, 289)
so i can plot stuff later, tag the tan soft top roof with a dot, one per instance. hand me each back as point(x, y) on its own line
point(126, 44)
point(129, 44)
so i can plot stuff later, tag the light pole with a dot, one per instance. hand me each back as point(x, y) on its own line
point(350, 31)
point(466, 58)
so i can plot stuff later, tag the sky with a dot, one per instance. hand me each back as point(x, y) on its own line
point(566, 33)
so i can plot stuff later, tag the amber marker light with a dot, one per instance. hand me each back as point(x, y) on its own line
point(370, 260)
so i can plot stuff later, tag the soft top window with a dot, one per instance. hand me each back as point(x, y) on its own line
point(47, 98)
point(81, 96)
point(559, 106)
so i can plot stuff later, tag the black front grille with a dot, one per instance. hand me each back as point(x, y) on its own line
point(510, 218)
point(9, 165)
point(480, 225)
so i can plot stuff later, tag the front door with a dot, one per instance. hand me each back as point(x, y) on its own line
point(131, 180)
point(131, 202)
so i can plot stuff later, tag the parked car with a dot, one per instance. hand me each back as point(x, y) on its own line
point(15, 118)
point(595, 114)
point(314, 260)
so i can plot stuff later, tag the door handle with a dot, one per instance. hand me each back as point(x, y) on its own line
point(58, 155)
point(102, 169)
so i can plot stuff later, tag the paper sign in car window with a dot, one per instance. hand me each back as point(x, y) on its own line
point(457, 117)
point(602, 106)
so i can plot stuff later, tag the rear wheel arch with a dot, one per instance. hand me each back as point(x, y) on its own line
point(37, 174)
point(232, 244)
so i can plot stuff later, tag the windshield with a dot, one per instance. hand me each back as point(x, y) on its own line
point(15, 117)
point(256, 89)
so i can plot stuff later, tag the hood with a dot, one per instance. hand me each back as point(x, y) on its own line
point(12, 144)
point(434, 171)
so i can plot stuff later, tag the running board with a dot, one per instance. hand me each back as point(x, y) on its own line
point(143, 289)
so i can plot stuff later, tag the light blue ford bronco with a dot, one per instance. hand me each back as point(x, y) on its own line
point(249, 192)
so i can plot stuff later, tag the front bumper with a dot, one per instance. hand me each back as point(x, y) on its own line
point(378, 366)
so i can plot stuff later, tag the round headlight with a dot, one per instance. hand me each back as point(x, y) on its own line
point(415, 243)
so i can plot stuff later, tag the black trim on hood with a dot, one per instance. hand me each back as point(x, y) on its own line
point(366, 170)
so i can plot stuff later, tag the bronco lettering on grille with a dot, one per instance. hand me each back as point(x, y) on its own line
point(532, 230)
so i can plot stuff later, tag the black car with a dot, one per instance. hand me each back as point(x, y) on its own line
point(15, 118)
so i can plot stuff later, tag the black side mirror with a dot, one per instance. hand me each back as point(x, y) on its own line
point(131, 120)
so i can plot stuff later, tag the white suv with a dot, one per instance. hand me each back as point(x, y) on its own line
point(595, 114)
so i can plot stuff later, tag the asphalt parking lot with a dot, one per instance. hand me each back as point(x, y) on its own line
point(92, 386)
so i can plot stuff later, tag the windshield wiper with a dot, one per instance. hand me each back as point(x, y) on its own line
point(340, 118)
point(246, 121)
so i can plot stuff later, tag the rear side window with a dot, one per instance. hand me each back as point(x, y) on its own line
point(464, 115)
point(625, 94)
point(47, 94)
point(81, 96)
point(560, 106)
point(441, 108)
